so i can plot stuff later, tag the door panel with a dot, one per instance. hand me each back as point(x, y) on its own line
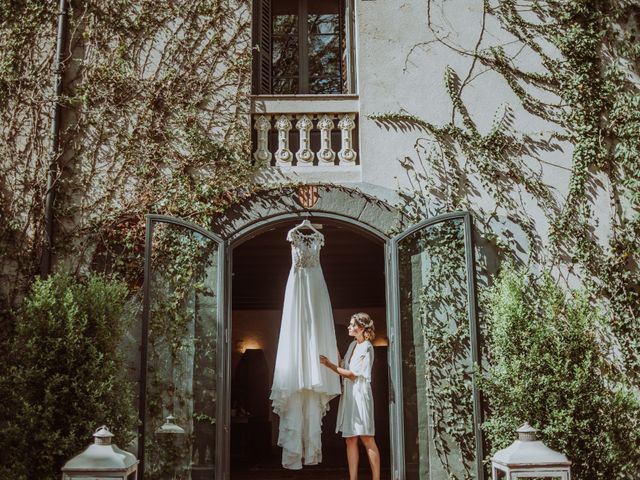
point(437, 341)
point(182, 351)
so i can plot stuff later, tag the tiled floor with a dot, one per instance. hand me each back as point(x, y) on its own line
point(333, 468)
point(307, 473)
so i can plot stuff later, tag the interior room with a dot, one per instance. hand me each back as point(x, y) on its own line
point(352, 261)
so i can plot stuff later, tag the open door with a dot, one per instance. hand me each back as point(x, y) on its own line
point(183, 342)
point(435, 348)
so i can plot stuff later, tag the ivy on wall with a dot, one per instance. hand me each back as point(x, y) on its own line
point(574, 67)
point(155, 119)
point(25, 87)
point(590, 103)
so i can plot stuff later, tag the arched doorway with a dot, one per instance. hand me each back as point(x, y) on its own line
point(353, 264)
point(421, 446)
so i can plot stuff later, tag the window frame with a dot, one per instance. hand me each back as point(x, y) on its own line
point(262, 31)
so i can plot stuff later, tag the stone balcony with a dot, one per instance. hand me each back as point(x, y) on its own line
point(307, 137)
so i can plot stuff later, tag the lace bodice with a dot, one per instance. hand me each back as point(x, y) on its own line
point(305, 248)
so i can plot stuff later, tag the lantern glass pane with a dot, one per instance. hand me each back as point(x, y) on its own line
point(182, 352)
point(437, 367)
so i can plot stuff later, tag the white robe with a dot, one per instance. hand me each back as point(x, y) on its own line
point(355, 412)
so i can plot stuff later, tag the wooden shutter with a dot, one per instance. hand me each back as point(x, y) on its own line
point(262, 47)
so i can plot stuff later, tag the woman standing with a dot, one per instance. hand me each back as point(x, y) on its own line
point(355, 412)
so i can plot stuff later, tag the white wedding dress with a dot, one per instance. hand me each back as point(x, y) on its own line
point(302, 387)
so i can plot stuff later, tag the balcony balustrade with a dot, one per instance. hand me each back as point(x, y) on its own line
point(305, 132)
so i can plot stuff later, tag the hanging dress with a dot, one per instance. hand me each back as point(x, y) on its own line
point(302, 386)
point(355, 412)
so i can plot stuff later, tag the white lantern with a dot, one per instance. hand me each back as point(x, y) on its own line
point(168, 427)
point(528, 457)
point(102, 460)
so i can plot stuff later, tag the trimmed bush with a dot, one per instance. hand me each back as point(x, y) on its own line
point(65, 375)
point(551, 365)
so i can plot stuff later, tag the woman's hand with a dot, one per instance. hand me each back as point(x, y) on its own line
point(340, 371)
point(327, 363)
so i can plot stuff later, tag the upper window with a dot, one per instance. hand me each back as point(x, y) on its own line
point(302, 46)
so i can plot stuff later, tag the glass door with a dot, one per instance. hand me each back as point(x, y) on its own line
point(181, 397)
point(438, 436)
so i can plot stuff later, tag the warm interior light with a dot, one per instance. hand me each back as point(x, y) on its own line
point(381, 342)
point(248, 344)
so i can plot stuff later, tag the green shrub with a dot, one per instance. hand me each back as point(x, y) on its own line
point(65, 375)
point(550, 364)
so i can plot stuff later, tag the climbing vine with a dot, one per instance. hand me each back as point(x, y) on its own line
point(574, 69)
point(155, 119)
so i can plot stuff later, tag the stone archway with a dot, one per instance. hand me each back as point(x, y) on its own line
point(271, 208)
point(345, 202)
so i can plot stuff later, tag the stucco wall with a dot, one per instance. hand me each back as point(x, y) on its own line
point(400, 67)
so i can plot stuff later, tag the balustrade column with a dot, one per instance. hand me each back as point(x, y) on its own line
point(284, 156)
point(262, 153)
point(326, 156)
point(347, 154)
point(304, 153)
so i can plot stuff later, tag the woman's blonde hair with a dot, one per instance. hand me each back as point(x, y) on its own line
point(364, 321)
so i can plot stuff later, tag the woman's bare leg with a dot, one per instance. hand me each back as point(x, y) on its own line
point(373, 454)
point(352, 457)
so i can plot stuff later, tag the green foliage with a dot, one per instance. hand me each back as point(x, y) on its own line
point(443, 310)
point(155, 120)
point(573, 66)
point(65, 375)
point(549, 366)
point(181, 364)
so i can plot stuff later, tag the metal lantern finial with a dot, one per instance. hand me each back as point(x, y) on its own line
point(102, 436)
point(526, 433)
point(529, 457)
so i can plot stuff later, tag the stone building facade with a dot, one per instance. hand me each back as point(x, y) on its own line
point(344, 96)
